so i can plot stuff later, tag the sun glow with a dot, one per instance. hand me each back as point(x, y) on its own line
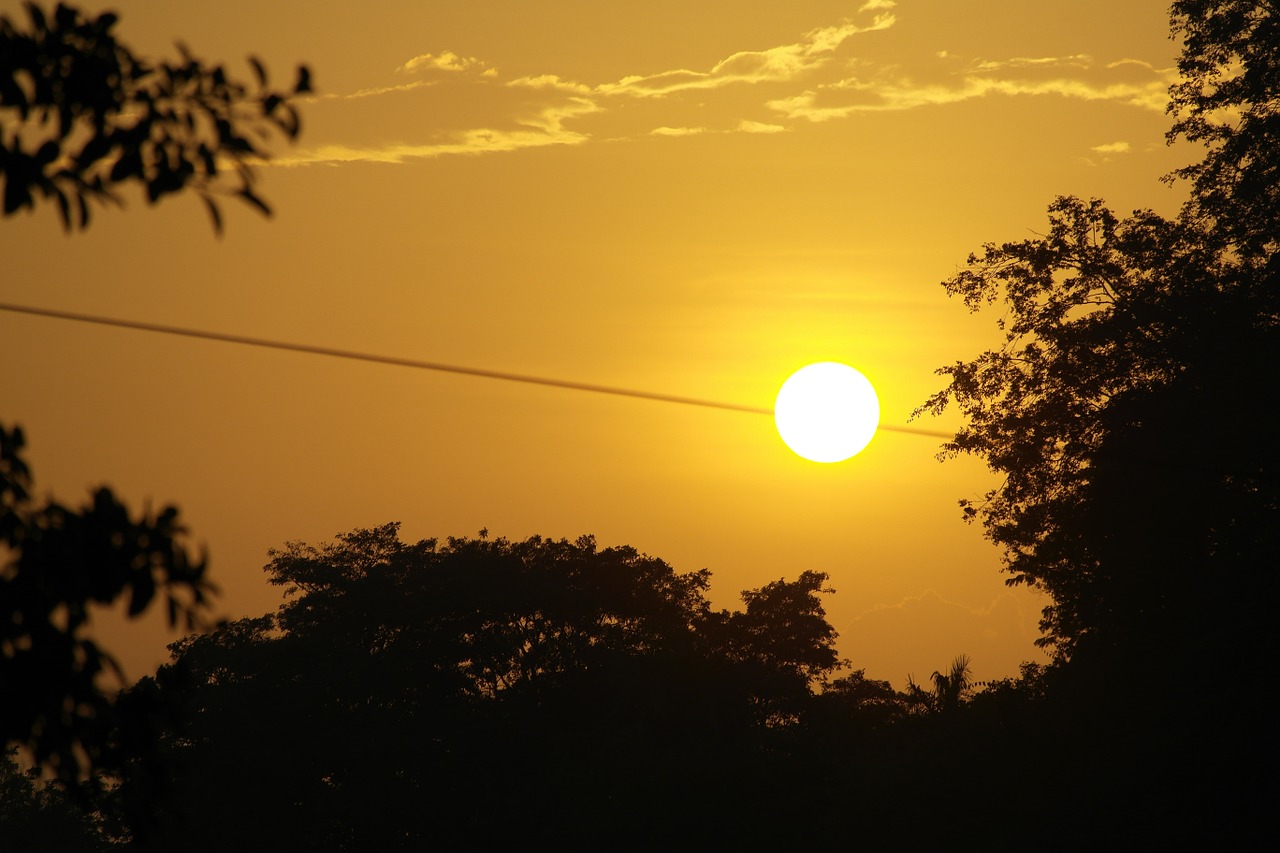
point(827, 412)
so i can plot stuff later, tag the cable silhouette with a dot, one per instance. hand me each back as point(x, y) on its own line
point(310, 349)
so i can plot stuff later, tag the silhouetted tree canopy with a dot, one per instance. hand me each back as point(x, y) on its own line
point(428, 691)
point(1122, 411)
point(80, 115)
point(56, 564)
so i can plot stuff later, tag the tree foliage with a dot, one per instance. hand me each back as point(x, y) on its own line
point(1228, 98)
point(56, 564)
point(81, 115)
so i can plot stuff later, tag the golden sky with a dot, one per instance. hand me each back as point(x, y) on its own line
point(688, 199)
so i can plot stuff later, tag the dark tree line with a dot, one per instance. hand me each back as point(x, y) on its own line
point(409, 694)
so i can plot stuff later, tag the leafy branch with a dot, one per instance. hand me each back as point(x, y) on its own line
point(81, 115)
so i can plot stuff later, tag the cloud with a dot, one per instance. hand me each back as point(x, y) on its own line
point(929, 631)
point(743, 126)
point(367, 93)
point(1079, 60)
point(550, 81)
point(776, 64)
point(814, 78)
point(446, 61)
point(883, 94)
point(677, 131)
point(543, 129)
point(1112, 148)
point(746, 126)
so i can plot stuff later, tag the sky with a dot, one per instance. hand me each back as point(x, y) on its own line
point(683, 199)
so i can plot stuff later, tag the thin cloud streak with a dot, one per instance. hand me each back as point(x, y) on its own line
point(547, 128)
point(895, 96)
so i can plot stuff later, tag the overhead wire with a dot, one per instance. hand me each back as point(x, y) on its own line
point(310, 349)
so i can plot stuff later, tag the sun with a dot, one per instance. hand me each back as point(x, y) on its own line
point(827, 412)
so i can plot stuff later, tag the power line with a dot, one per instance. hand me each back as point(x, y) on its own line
point(410, 362)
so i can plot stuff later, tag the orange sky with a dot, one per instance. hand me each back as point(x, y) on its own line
point(690, 199)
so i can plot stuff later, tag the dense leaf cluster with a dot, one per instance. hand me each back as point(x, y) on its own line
point(81, 115)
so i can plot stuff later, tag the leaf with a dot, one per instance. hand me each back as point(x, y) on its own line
point(141, 593)
point(129, 165)
point(214, 214)
point(94, 150)
point(17, 194)
point(48, 153)
point(64, 209)
point(258, 70)
point(247, 195)
point(38, 22)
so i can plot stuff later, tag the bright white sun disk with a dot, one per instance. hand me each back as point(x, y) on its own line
point(827, 412)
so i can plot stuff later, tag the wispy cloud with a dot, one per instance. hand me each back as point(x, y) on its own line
point(677, 131)
point(370, 92)
point(930, 629)
point(1079, 60)
point(743, 126)
point(446, 61)
point(814, 78)
point(892, 90)
point(545, 128)
point(1112, 148)
point(776, 64)
point(746, 126)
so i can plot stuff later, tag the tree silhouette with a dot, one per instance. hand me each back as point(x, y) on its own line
point(950, 689)
point(1126, 411)
point(81, 115)
point(535, 691)
point(1106, 319)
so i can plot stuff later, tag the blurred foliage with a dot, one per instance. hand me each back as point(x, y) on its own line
point(37, 816)
point(81, 115)
point(56, 564)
